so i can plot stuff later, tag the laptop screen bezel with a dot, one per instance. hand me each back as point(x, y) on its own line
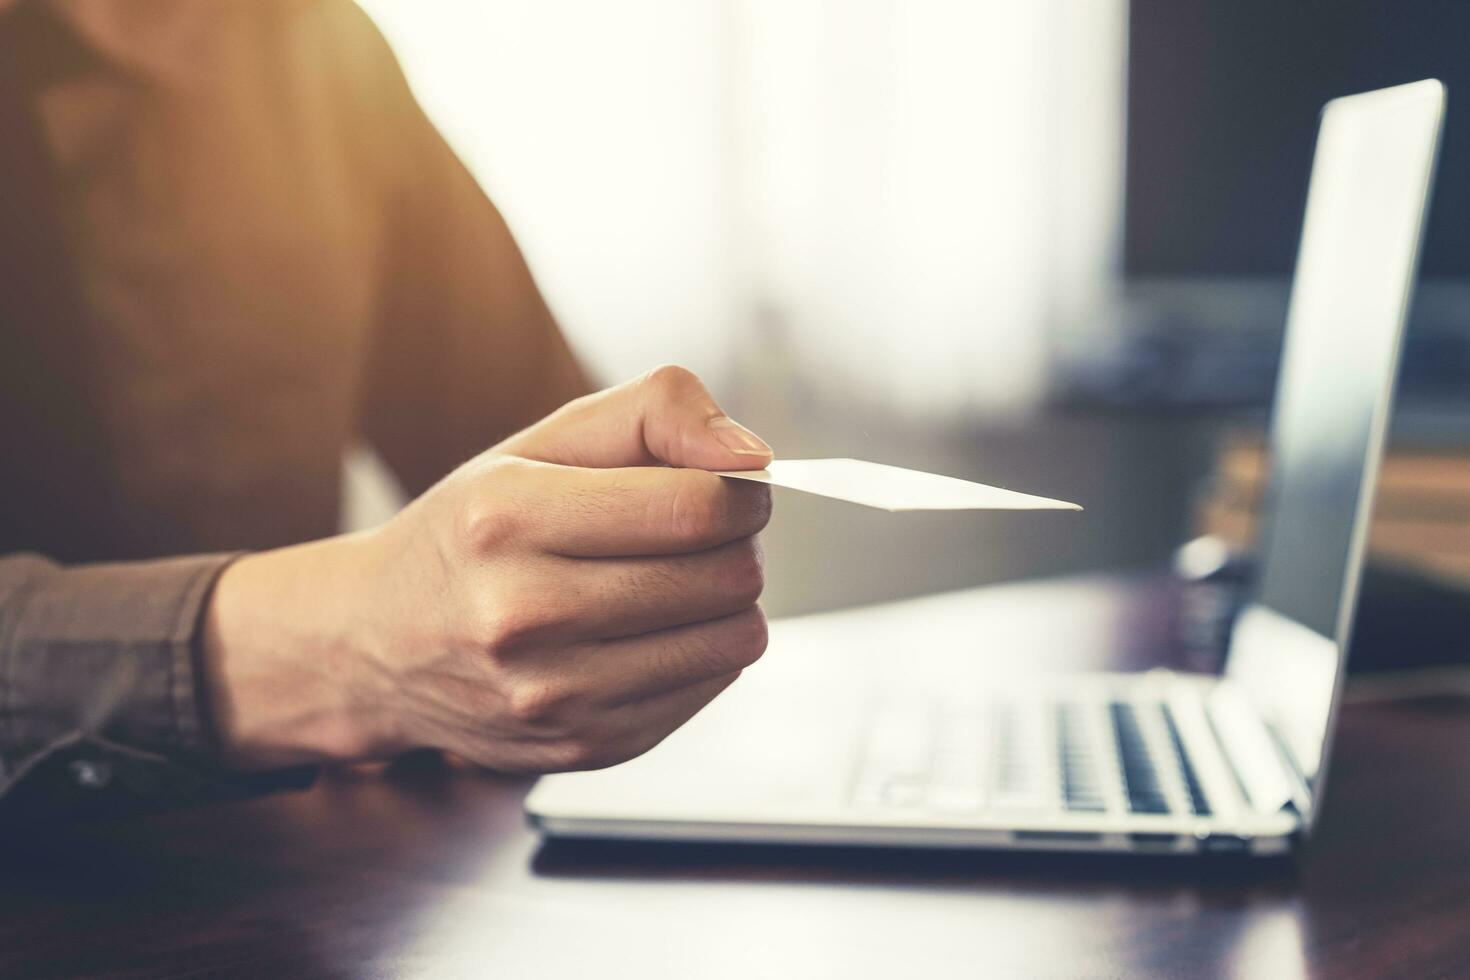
point(1258, 607)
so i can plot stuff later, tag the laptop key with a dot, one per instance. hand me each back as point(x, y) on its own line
point(1020, 783)
point(1197, 800)
point(1081, 787)
point(1140, 778)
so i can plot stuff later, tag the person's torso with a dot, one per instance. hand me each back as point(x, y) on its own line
point(224, 243)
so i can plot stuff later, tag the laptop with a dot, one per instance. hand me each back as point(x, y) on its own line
point(922, 723)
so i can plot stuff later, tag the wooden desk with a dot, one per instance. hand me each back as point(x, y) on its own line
point(427, 870)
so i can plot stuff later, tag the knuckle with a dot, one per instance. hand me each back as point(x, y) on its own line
point(750, 636)
point(536, 702)
point(484, 523)
point(754, 506)
point(670, 380)
point(731, 644)
point(504, 629)
point(745, 573)
point(694, 512)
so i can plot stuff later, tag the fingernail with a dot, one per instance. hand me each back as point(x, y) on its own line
point(737, 438)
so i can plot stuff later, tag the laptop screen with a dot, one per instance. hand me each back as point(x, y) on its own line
point(1371, 175)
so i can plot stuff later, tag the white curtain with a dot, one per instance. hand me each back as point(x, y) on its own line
point(899, 201)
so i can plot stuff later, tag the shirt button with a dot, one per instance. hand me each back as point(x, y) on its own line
point(92, 775)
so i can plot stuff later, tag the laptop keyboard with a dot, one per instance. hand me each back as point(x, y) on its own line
point(1027, 755)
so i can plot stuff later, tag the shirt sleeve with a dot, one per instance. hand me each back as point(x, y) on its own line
point(465, 350)
point(100, 705)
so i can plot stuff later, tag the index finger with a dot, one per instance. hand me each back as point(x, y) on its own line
point(641, 510)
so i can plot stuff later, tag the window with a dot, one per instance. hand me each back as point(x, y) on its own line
point(894, 201)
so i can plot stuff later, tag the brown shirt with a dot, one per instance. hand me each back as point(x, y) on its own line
point(230, 245)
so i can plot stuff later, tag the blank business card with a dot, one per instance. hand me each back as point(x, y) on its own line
point(892, 487)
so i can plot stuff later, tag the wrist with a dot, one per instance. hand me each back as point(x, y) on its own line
point(287, 659)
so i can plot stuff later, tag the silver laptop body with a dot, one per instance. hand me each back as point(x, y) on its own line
point(928, 722)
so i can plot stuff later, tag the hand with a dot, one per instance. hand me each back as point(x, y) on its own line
point(561, 601)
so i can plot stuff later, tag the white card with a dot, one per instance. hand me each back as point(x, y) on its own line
point(892, 487)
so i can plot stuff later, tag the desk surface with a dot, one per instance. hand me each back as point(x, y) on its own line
point(427, 870)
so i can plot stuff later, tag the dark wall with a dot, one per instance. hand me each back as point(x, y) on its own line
point(1223, 98)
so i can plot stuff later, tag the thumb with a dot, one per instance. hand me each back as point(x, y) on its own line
point(665, 416)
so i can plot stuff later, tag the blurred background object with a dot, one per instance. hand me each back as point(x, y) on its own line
point(1043, 245)
point(1422, 518)
point(1222, 98)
